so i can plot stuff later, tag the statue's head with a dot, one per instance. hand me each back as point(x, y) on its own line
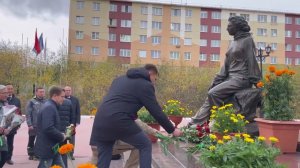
point(236, 24)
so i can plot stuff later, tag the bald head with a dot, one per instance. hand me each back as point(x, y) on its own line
point(3, 93)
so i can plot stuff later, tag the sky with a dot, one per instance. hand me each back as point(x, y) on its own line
point(51, 17)
point(23, 17)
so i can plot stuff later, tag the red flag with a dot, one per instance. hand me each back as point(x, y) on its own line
point(36, 48)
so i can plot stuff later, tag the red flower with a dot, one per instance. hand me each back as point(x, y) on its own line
point(198, 127)
point(206, 128)
point(200, 134)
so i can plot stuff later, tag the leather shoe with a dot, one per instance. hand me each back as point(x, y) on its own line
point(10, 162)
point(116, 157)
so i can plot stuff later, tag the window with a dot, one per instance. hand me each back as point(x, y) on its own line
point(143, 39)
point(78, 49)
point(203, 42)
point(187, 55)
point(96, 6)
point(155, 54)
point(79, 20)
point(274, 46)
point(126, 9)
point(273, 19)
point(125, 23)
point(112, 37)
point(297, 61)
point(188, 13)
point(297, 48)
point(95, 21)
point(174, 55)
point(203, 28)
point(288, 47)
point(144, 10)
point(261, 32)
point(142, 53)
point(174, 41)
point(95, 35)
point(156, 25)
point(274, 32)
point(111, 52)
point(95, 51)
point(143, 24)
point(215, 43)
point(273, 60)
point(262, 18)
point(216, 15)
point(297, 34)
point(261, 45)
point(232, 14)
point(188, 27)
point(288, 61)
point(216, 29)
point(79, 34)
point(80, 4)
point(203, 14)
point(156, 39)
point(297, 21)
point(214, 57)
point(157, 11)
point(125, 52)
point(288, 20)
point(113, 8)
point(175, 26)
point(246, 17)
point(187, 41)
point(125, 38)
point(288, 33)
point(175, 12)
point(202, 57)
point(113, 22)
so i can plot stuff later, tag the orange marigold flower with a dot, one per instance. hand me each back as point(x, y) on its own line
point(272, 68)
point(260, 84)
point(285, 71)
point(87, 165)
point(268, 77)
point(55, 166)
point(278, 73)
point(66, 149)
point(291, 72)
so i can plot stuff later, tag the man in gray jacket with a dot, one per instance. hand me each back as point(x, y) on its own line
point(32, 109)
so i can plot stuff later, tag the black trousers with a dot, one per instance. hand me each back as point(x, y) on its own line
point(139, 141)
point(30, 145)
point(3, 158)
point(10, 145)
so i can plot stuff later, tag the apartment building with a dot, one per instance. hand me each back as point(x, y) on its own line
point(181, 34)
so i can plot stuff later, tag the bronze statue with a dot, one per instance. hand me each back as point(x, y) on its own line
point(239, 72)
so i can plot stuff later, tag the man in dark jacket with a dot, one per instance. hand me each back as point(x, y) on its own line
point(48, 133)
point(32, 108)
point(76, 111)
point(116, 114)
point(67, 117)
point(12, 100)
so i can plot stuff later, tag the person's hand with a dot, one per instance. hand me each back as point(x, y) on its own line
point(177, 132)
point(30, 128)
point(6, 131)
point(1, 131)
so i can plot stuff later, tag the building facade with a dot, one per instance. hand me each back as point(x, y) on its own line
point(138, 32)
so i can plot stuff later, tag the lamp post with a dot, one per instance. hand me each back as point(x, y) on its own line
point(261, 57)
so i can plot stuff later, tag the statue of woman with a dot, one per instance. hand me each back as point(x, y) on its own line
point(240, 70)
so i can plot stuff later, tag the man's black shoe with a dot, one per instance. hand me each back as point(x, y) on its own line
point(116, 157)
point(10, 162)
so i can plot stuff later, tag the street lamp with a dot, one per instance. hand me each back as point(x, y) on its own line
point(262, 57)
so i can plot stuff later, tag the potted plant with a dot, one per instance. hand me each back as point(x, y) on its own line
point(278, 111)
point(224, 120)
point(240, 151)
point(175, 111)
point(147, 118)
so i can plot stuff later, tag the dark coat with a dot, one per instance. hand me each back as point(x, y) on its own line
point(76, 108)
point(66, 115)
point(118, 110)
point(48, 134)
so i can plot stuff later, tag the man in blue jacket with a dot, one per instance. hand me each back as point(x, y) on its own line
point(116, 114)
point(48, 133)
